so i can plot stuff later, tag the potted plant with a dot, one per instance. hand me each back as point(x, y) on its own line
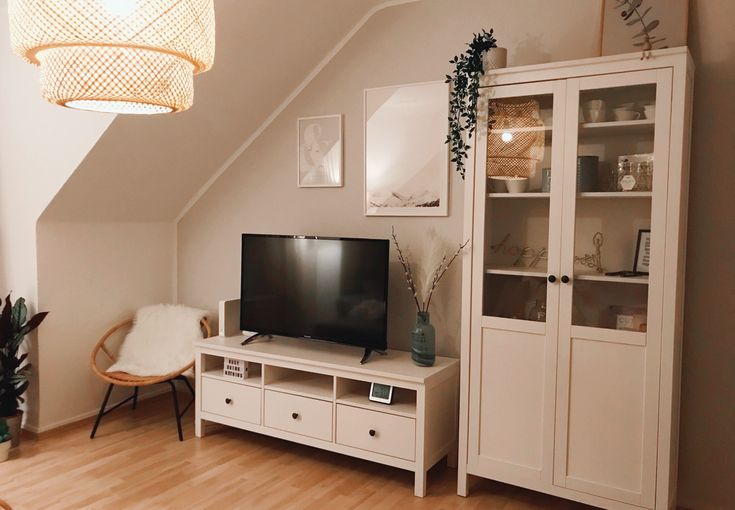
point(4, 440)
point(482, 54)
point(14, 369)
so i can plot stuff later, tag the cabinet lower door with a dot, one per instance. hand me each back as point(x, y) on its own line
point(606, 417)
point(511, 407)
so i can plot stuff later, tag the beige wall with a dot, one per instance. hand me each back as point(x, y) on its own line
point(92, 275)
point(404, 44)
point(412, 43)
point(707, 438)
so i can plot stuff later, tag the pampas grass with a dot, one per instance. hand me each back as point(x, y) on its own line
point(423, 281)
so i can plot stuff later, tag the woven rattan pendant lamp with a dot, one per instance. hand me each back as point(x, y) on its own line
point(118, 56)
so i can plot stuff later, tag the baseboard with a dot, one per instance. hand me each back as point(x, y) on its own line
point(74, 420)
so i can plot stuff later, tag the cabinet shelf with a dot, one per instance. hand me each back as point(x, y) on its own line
point(617, 127)
point(615, 194)
point(641, 280)
point(519, 195)
point(517, 271)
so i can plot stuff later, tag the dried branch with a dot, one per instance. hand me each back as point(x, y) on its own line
point(406, 269)
point(441, 271)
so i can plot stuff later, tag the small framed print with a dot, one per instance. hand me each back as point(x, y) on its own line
point(319, 151)
point(642, 252)
point(382, 393)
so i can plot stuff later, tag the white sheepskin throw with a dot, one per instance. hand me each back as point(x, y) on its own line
point(161, 340)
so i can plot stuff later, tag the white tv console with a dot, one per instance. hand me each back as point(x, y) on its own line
point(316, 393)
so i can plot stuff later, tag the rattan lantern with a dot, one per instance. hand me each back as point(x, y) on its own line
point(118, 56)
point(515, 141)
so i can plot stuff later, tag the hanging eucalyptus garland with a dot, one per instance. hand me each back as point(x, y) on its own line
point(465, 80)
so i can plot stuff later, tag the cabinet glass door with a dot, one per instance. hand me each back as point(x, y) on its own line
point(614, 217)
point(521, 192)
point(516, 236)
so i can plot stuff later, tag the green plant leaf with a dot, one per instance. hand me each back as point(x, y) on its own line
point(19, 313)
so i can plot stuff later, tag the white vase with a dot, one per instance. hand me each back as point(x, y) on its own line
point(4, 450)
point(495, 58)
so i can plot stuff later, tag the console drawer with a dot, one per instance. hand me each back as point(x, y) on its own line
point(376, 432)
point(300, 415)
point(231, 400)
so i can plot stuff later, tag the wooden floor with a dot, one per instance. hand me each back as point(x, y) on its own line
point(136, 462)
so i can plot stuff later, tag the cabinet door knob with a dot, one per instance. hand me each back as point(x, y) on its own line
point(228, 401)
point(565, 279)
point(552, 278)
point(295, 416)
point(372, 433)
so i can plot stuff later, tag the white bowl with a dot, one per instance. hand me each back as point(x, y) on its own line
point(497, 184)
point(517, 185)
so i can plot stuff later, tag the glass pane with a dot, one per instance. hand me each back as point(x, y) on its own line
point(517, 207)
point(615, 169)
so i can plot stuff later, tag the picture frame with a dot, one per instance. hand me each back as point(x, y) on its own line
point(319, 152)
point(406, 158)
point(642, 252)
point(382, 393)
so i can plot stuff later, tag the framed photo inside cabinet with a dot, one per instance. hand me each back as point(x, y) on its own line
point(319, 151)
point(406, 157)
point(642, 252)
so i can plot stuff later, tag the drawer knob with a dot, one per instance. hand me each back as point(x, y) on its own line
point(565, 279)
point(228, 401)
point(372, 432)
point(295, 416)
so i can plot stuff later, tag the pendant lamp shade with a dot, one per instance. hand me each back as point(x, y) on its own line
point(119, 56)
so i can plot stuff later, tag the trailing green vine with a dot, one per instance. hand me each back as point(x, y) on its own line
point(465, 80)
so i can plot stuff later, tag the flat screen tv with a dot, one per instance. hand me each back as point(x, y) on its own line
point(321, 288)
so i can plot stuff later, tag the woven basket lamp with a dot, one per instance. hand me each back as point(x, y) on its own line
point(516, 138)
point(117, 56)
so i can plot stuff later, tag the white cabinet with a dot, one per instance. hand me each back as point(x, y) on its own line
point(570, 368)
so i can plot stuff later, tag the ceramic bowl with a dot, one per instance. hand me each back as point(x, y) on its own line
point(517, 184)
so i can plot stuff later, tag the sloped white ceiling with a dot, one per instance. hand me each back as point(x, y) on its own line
point(148, 168)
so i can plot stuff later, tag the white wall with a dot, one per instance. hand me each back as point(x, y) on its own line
point(403, 44)
point(40, 146)
point(92, 276)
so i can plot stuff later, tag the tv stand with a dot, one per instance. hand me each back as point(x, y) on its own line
point(368, 352)
point(313, 393)
point(253, 337)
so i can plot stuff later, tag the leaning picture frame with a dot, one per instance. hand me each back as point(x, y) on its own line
point(642, 252)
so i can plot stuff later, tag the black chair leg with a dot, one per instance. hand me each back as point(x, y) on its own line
point(176, 409)
point(188, 385)
point(135, 398)
point(102, 411)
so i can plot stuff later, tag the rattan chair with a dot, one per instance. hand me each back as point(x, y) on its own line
point(5, 506)
point(135, 381)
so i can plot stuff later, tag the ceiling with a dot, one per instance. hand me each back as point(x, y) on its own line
point(148, 168)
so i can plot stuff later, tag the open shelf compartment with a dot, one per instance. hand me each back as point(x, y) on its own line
point(297, 382)
point(214, 369)
point(355, 393)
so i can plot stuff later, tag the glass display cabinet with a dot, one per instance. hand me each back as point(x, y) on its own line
point(573, 290)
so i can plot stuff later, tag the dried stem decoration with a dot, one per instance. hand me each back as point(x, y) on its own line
point(423, 300)
point(632, 15)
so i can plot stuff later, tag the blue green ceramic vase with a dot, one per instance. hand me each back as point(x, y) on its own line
point(423, 341)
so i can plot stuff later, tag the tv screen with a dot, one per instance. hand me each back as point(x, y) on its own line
point(332, 289)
